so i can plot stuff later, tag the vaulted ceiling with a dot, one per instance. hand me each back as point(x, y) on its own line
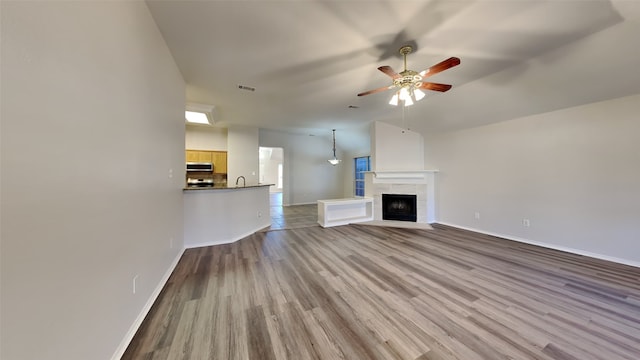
point(308, 59)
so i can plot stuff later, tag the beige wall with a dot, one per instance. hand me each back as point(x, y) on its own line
point(205, 138)
point(308, 176)
point(92, 100)
point(573, 173)
point(242, 158)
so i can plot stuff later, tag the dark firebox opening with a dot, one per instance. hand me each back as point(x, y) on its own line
point(399, 207)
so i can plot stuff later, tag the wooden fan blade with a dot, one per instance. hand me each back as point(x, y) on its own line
point(441, 66)
point(376, 90)
point(389, 71)
point(435, 86)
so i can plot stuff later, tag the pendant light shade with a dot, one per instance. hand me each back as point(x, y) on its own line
point(408, 101)
point(394, 100)
point(407, 95)
point(335, 160)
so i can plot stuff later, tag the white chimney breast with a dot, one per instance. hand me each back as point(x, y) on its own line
point(394, 148)
point(397, 164)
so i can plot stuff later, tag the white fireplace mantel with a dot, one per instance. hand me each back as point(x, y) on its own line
point(419, 182)
point(402, 176)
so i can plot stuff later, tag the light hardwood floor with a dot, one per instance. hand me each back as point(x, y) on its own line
point(363, 292)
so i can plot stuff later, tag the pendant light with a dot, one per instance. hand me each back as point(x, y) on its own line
point(335, 160)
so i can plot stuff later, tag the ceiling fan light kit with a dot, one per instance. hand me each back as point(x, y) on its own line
point(409, 83)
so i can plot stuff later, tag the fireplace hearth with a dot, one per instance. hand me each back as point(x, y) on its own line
point(399, 207)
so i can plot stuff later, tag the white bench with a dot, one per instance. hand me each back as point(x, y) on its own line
point(336, 212)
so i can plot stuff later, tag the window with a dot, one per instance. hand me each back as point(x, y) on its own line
point(361, 164)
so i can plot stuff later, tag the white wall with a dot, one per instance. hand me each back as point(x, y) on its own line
point(348, 174)
point(395, 148)
point(242, 156)
point(573, 173)
point(308, 176)
point(205, 138)
point(92, 124)
point(349, 171)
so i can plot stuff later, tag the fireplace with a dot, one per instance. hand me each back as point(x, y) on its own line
point(400, 207)
point(420, 183)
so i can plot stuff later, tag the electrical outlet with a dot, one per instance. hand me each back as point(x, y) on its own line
point(259, 214)
point(526, 222)
point(477, 215)
point(170, 173)
point(171, 243)
point(135, 280)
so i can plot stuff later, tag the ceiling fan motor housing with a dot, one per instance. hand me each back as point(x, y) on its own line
point(407, 77)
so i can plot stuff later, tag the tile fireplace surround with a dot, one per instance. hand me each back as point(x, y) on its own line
point(419, 182)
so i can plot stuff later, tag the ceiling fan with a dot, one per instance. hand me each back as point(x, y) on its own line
point(409, 83)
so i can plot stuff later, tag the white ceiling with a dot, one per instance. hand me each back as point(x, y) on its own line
point(308, 59)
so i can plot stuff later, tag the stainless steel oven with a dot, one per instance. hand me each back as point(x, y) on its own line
point(199, 182)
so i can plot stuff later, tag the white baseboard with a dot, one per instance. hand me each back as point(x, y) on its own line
point(145, 310)
point(549, 246)
point(224, 241)
point(304, 203)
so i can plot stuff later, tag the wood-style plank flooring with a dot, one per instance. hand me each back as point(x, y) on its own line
point(364, 292)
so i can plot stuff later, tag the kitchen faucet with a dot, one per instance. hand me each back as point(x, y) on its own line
point(244, 181)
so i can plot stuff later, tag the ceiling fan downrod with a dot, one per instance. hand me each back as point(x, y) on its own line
point(406, 50)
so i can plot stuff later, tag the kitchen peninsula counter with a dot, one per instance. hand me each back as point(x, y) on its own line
point(224, 214)
point(224, 187)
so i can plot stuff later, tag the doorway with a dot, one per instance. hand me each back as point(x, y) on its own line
point(271, 168)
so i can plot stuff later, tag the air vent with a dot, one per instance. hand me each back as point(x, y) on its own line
point(248, 88)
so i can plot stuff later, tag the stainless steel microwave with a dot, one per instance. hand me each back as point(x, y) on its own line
point(199, 166)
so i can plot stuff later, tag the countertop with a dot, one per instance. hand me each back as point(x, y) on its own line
point(224, 187)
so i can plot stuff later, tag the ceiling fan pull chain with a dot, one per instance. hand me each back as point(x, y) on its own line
point(404, 120)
